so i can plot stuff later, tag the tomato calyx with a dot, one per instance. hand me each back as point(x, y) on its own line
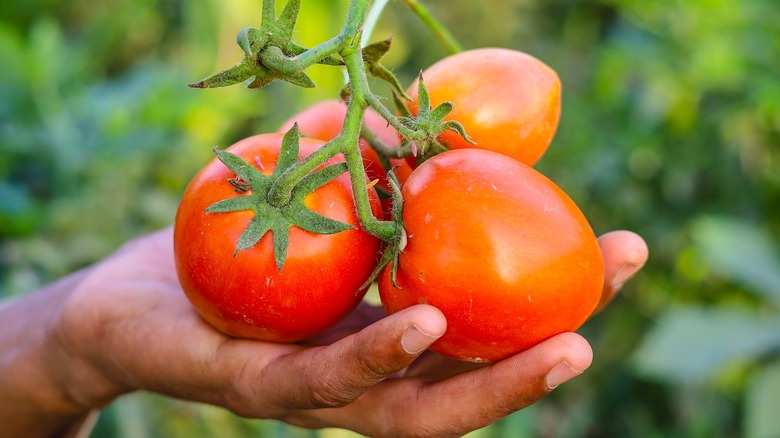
point(270, 53)
point(276, 219)
point(428, 124)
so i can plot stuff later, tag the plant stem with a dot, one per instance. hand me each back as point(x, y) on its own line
point(347, 142)
point(382, 110)
point(442, 34)
point(274, 58)
point(356, 109)
point(380, 147)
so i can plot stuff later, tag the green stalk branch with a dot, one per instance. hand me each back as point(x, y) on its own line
point(274, 58)
point(445, 38)
point(386, 114)
point(380, 147)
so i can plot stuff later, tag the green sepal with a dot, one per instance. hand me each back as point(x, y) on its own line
point(277, 220)
point(394, 247)
point(372, 53)
point(287, 20)
point(453, 125)
point(288, 152)
point(423, 99)
point(234, 75)
point(273, 38)
point(440, 112)
point(429, 123)
point(375, 51)
point(241, 168)
point(300, 79)
point(244, 40)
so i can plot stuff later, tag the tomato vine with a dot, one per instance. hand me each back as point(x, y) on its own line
point(271, 54)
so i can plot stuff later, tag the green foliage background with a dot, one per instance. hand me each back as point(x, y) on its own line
point(670, 128)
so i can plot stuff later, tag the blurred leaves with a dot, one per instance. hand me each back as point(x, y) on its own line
point(742, 252)
point(689, 344)
point(763, 398)
point(670, 127)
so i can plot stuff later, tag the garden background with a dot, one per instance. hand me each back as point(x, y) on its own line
point(670, 127)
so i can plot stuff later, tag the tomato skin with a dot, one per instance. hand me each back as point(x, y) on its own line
point(245, 295)
point(324, 121)
point(503, 252)
point(508, 101)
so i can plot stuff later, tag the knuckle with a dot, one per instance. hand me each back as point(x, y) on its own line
point(328, 391)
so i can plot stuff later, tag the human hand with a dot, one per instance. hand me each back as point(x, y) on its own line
point(128, 326)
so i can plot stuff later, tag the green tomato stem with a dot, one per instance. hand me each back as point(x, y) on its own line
point(353, 122)
point(380, 147)
point(274, 58)
point(347, 142)
point(386, 114)
point(356, 18)
point(445, 38)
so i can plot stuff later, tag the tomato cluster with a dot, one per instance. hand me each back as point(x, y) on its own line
point(502, 251)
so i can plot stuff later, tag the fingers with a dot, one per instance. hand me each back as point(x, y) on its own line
point(624, 254)
point(467, 401)
point(364, 315)
point(336, 375)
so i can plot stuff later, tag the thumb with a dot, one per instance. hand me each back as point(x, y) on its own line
point(337, 374)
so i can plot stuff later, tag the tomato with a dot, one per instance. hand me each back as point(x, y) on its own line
point(508, 101)
point(502, 251)
point(324, 120)
point(243, 294)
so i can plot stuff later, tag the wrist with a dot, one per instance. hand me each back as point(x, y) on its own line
point(39, 392)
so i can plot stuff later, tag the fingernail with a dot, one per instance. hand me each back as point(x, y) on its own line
point(415, 340)
point(623, 274)
point(561, 373)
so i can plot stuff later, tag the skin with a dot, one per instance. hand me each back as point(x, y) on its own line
point(118, 326)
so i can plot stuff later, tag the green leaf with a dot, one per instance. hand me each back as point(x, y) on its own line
point(244, 170)
point(440, 112)
point(372, 53)
point(375, 51)
point(253, 233)
point(288, 153)
point(232, 204)
point(244, 41)
point(287, 19)
point(281, 234)
point(300, 79)
point(423, 99)
point(319, 178)
point(453, 125)
point(269, 11)
point(692, 343)
point(316, 223)
point(762, 402)
point(234, 75)
point(743, 252)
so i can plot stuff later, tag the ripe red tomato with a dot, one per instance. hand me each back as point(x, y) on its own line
point(324, 120)
point(244, 295)
point(508, 101)
point(502, 251)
